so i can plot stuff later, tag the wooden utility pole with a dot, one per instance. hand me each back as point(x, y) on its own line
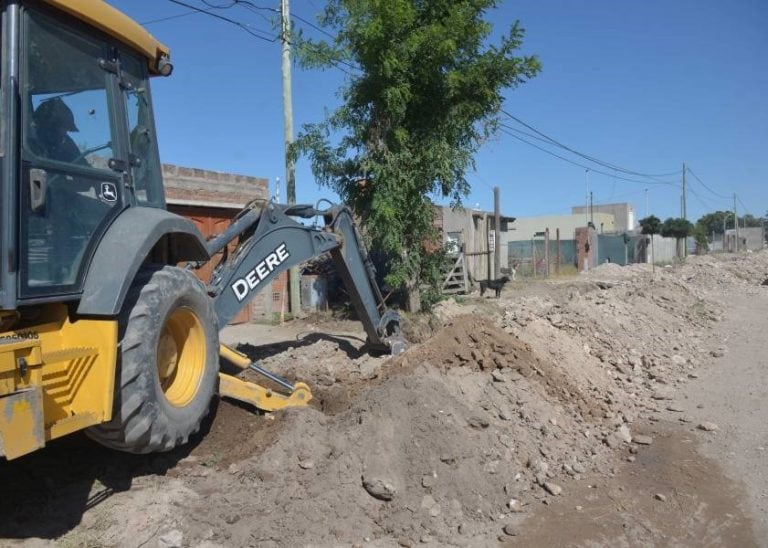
point(496, 234)
point(290, 171)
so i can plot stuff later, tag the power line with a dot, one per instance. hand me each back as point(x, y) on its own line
point(590, 168)
point(254, 8)
point(586, 156)
point(746, 210)
point(256, 33)
point(257, 9)
point(161, 19)
point(214, 6)
point(533, 136)
point(703, 201)
point(705, 186)
point(316, 27)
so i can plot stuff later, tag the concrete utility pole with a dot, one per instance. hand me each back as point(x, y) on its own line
point(290, 171)
point(591, 210)
point(736, 222)
point(586, 204)
point(685, 209)
point(496, 234)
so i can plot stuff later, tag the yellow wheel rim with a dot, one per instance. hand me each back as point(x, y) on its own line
point(181, 356)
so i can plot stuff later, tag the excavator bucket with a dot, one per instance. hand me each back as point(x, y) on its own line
point(263, 398)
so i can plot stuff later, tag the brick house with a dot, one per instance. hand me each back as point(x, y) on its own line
point(211, 199)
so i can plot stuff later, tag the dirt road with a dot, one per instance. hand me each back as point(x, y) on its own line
point(564, 413)
point(715, 484)
point(732, 391)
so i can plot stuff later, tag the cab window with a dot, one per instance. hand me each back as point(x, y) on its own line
point(69, 193)
point(144, 159)
point(67, 118)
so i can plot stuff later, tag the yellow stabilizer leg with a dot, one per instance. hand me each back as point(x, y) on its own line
point(259, 396)
point(238, 359)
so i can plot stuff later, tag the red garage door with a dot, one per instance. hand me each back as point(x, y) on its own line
point(211, 221)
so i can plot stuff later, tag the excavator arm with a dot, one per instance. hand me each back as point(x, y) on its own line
point(269, 243)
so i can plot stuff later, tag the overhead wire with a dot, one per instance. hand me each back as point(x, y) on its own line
point(603, 163)
point(256, 33)
point(702, 200)
point(746, 210)
point(161, 19)
point(705, 186)
point(590, 168)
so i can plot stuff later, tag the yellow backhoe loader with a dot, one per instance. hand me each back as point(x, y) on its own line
point(103, 324)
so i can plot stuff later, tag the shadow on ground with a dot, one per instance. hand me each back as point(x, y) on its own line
point(46, 493)
point(353, 347)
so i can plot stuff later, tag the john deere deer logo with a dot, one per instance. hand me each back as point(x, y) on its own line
point(108, 192)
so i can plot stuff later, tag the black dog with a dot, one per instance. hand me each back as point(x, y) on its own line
point(496, 285)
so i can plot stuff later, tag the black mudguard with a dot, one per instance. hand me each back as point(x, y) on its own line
point(124, 248)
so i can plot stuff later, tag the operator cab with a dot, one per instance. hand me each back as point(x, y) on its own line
point(85, 147)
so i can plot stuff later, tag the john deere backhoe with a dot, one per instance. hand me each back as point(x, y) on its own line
point(103, 324)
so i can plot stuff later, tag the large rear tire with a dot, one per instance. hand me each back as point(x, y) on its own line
point(167, 370)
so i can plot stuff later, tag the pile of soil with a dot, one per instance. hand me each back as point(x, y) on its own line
point(453, 442)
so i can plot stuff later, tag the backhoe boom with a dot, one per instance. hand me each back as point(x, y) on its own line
point(271, 242)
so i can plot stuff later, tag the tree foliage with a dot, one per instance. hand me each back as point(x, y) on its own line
point(650, 225)
point(750, 220)
point(676, 228)
point(679, 229)
point(714, 222)
point(425, 94)
point(717, 220)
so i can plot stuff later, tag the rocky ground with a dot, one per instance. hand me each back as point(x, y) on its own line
point(622, 407)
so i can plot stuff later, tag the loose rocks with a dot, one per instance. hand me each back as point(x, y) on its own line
point(379, 488)
point(552, 488)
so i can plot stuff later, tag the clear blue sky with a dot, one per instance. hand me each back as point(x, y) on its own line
point(645, 85)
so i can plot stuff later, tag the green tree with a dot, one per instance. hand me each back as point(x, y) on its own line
point(750, 220)
point(679, 229)
point(714, 222)
point(650, 225)
point(701, 235)
point(425, 95)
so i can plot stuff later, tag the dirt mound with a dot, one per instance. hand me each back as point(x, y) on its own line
point(477, 343)
point(501, 410)
point(460, 434)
